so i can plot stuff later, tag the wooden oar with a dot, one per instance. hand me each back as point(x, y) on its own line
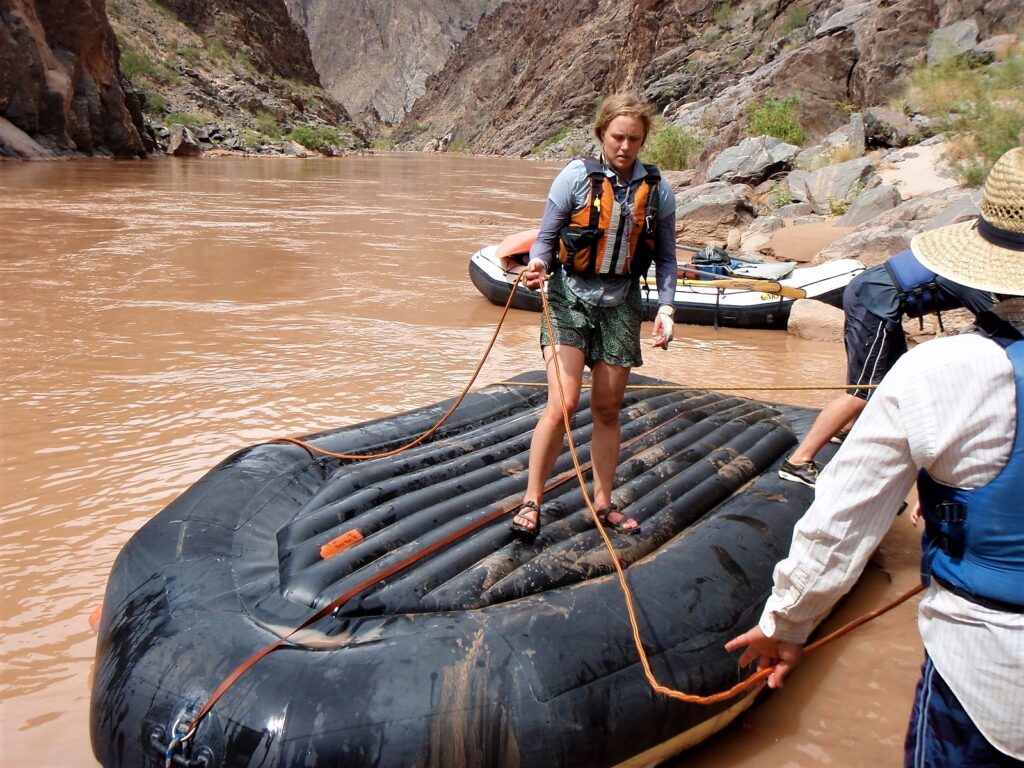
point(743, 284)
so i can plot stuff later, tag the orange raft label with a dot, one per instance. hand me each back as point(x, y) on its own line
point(343, 542)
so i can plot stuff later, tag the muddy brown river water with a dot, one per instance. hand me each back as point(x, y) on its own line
point(157, 316)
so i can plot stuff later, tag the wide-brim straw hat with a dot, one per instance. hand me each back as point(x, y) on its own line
point(988, 252)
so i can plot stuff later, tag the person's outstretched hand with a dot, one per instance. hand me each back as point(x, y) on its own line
point(767, 653)
point(663, 327)
point(535, 274)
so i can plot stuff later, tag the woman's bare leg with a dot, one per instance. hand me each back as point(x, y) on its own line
point(609, 387)
point(546, 443)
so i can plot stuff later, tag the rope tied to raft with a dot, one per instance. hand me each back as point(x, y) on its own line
point(184, 730)
point(691, 698)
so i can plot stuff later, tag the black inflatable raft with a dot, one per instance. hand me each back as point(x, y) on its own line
point(489, 652)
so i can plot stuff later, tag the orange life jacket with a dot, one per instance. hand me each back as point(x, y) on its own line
point(606, 237)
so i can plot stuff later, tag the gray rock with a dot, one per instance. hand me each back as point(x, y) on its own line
point(844, 19)
point(967, 206)
point(766, 224)
point(812, 219)
point(843, 181)
point(869, 246)
point(182, 143)
point(815, 320)
point(872, 203)
point(794, 209)
point(708, 211)
point(989, 50)
point(952, 41)
point(753, 160)
point(858, 135)
point(885, 127)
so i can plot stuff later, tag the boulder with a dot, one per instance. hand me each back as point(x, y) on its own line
point(885, 127)
point(815, 320)
point(708, 211)
point(793, 209)
point(843, 181)
point(182, 143)
point(994, 48)
point(869, 246)
point(952, 41)
point(872, 203)
point(845, 18)
point(753, 160)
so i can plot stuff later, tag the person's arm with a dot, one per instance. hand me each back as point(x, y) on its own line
point(556, 215)
point(544, 247)
point(856, 500)
point(665, 265)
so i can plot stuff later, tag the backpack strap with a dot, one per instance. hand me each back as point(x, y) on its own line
point(1000, 331)
point(597, 178)
point(653, 180)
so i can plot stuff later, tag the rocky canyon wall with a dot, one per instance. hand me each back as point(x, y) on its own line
point(374, 56)
point(60, 89)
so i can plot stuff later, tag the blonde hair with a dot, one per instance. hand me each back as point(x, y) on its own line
point(619, 105)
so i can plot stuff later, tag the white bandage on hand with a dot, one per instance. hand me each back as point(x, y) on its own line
point(663, 326)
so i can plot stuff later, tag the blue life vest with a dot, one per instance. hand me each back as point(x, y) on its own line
point(974, 539)
point(917, 287)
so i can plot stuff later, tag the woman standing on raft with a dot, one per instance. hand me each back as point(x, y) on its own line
point(606, 220)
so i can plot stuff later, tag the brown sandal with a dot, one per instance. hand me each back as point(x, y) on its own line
point(620, 526)
point(531, 528)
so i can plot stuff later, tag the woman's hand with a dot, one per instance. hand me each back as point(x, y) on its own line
point(663, 326)
point(535, 274)
point(767, 653)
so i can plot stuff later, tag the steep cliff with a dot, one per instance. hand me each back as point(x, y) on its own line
point(375, 56)
point(60, 88)
point(238, 73)
point(533, 70)
point(277, 44)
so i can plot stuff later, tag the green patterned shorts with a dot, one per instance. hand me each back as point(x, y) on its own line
point(609, 334)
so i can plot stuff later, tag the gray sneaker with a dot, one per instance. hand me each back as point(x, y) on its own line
point(806, 473)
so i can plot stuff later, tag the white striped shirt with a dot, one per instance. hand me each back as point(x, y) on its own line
point(947, 406)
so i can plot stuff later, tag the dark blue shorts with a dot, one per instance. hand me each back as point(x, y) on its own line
point(942, 734)
point(872, 344)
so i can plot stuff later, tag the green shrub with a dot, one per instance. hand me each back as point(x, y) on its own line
point(981, 108)
point(458, 145)
point(156, 103)
point(190, 54)
point(551, 140)
point(795, 19)
point(781, 195)
point(381, 143)
point(723, 14)
point(215, 49)
point(771, 117)
point(188, 119)
point(135, 64)
point(672, 148)
point(268, 125)
point(315, 137)
point(837, 206)
point(252, 138)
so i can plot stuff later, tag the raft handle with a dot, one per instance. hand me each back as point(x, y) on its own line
point(173, 752)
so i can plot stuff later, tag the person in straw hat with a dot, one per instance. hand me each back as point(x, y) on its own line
point(950, 416)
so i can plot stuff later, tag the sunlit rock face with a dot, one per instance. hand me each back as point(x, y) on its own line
point(375, 56)
point(60, 90)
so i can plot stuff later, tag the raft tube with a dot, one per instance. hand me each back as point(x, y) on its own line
point(494, 269)
point(490, 652)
